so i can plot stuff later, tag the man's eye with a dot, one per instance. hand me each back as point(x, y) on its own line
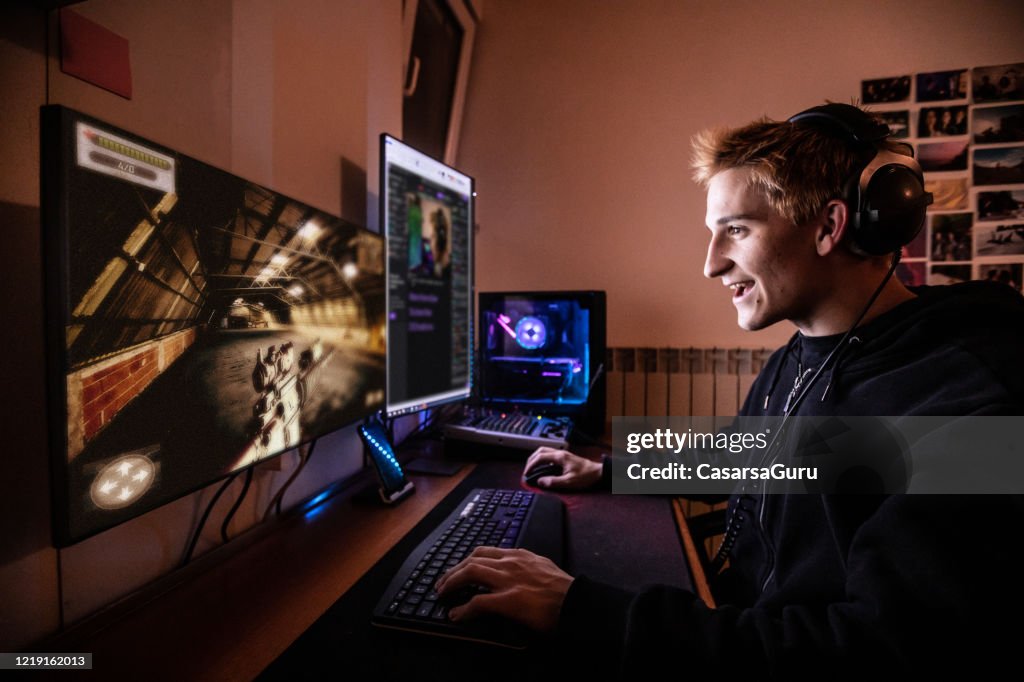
point(735, 230)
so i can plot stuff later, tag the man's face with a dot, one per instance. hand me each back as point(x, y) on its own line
point(769, 264)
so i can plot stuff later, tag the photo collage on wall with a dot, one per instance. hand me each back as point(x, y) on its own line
point(967, 129)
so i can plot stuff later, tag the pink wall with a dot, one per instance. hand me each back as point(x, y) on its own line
point(579, 115)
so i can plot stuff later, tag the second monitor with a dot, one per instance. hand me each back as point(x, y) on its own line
point(427, 210)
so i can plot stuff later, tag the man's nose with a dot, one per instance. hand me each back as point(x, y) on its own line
point(717, 262)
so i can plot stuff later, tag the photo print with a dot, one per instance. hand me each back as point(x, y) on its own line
point(948, 194)
point(429, 241)
point(895, 89)
point(942, 121)
point(949, 274)
point(1002, 205)
point(998, 83)
point(998, 124)
point(942, 156)
point(997, 239)
point(951, 237)
point(917, 248)
point(1004, 273)
point(999, 166)
point(912, 274)
point(898, 122)
point(942, 85)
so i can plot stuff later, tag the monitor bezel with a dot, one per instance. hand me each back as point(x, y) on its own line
point(56, 152)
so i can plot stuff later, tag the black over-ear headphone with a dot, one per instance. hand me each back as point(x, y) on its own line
point(885, 192)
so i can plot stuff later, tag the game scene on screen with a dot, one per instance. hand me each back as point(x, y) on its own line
point(208, 327)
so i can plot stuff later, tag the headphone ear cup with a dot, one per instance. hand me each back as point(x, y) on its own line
point(893, 208)
point(886, 195)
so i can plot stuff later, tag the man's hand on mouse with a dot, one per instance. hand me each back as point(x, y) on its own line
point(523, 586)
point(577, 472)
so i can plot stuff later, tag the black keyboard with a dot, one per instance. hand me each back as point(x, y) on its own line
point(499, 518)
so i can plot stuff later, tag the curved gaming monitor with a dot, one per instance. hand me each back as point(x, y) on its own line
point(427, 211)
point(199, 322)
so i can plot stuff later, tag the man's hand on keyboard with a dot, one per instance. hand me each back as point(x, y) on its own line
point(577, 472)
point(520, 585)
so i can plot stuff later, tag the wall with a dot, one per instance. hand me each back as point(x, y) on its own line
point(291, 95)
point(579, 115)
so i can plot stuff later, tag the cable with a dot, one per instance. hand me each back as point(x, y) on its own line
point(736, 519)
point(842, 341)
point(828, 359)
point(236, 505)
point(202, 521)
point(272, 504)
point(277, 500)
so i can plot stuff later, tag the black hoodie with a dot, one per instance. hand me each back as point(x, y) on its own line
point(848, 585)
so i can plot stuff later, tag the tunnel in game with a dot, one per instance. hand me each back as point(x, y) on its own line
point(208, 328)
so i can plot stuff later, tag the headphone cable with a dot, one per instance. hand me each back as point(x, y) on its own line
point(735, 522)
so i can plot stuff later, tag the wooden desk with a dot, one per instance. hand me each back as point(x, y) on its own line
point(232, 619)
point(629, 541)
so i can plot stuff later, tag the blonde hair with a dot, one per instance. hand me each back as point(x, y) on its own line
point(798, 168)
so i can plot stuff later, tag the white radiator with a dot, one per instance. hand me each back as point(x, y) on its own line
point(681, 381)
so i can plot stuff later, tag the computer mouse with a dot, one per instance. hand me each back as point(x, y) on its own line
point(540, 471)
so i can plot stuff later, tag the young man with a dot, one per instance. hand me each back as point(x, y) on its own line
point(858, 583)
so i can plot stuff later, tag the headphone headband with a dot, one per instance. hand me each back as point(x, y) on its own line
point(856, 123)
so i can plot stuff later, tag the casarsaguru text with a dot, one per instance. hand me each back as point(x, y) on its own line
point(708, 472)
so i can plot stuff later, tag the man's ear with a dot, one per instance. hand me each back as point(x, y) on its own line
point(833, 227)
